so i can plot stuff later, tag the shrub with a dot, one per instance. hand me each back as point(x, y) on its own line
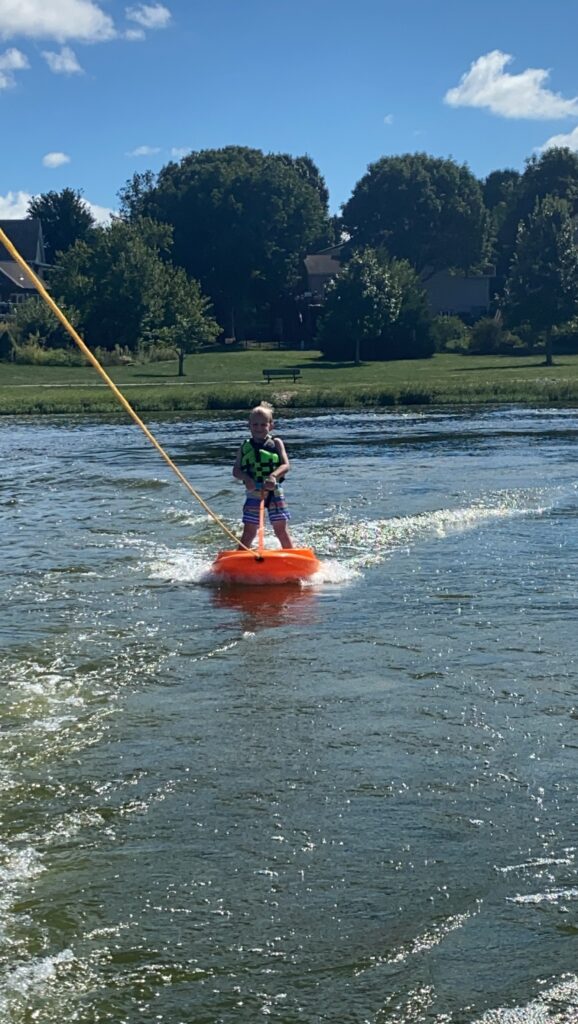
point(6, 346)
point(156, 352)
point(33, 353)
point(34, 322)
point(565, 337)
point(489, 337)
point(450, 334)
point(486, 336)
point(120, 355)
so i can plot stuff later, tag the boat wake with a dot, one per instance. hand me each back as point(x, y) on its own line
point(368, 542)
point(346, 547)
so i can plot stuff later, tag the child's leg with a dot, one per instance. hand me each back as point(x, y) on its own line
point(248, 535)
point(279, 516)
point(250, 520)
point(282, 533)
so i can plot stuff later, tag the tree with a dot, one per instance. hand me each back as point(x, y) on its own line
point(310, 173)
point(542, 288)
point(114, 278)
point(360, 305)
point(500, 187)
point(500, 191)
point(134, 193)
point(420, 208)
point(554, 173)
point(410, 335)
point(242, 223)
point(126, 291)
point(182, 319)
point(65, 217)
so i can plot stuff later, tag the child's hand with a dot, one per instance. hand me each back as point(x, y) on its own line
point(270, 483)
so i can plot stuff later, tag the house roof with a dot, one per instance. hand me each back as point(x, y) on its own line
point(26, 235)
point(322, 263)
point(16, 277)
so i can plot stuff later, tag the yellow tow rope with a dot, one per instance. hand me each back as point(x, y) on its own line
point(118, 394)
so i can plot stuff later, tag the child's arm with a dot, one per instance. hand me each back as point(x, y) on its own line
point(284, 464)
point(239, 474)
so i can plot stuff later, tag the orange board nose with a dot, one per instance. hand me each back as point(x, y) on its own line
point(288, 565)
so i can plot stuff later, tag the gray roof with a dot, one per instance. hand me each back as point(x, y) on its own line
point(321, 263)
point(15, 275)
point(26, 235)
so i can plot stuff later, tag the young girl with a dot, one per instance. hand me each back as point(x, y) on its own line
point(262, 465)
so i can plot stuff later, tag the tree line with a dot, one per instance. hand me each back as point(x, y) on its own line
point(213, 246)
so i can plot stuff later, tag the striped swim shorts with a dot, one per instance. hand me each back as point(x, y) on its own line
point(275, 505)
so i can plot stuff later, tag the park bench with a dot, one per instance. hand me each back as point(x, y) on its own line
point(282, 371)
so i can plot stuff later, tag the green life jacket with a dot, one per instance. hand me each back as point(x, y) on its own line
point(259, 459)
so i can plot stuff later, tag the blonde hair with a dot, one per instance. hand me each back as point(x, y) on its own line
point(263, 409)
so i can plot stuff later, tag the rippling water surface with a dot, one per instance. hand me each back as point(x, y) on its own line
point(351, 802)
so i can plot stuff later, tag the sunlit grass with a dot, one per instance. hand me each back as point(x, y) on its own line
point(234, 380)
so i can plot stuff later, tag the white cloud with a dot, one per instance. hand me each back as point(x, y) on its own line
point(134, 35)
point(180, 151)
point(14, 205)
point(569, 141)
point(60, 20)
point(144, 151)
point(488, 85)
point(101, 214)
point(11, 61)
point(388, 119)
point(63, 63)
point(149, 15)
point(55, 159)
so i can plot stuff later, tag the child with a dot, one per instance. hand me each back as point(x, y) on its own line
point(262, 465)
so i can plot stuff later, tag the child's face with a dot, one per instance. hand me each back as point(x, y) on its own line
point(259, 425)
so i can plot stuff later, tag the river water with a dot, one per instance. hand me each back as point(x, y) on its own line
point(352, 802)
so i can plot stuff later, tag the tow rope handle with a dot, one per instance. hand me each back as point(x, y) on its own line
point(261, 531)
point(11, 248)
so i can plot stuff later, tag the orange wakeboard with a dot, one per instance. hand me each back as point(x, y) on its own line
point(285, 565)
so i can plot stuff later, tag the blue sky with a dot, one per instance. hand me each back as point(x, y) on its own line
point(93, 90)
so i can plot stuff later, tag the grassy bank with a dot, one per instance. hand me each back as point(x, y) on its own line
point(234, 380)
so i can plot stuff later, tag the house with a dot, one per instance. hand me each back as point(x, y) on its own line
point(320, 268)
point(458, 294)
point(26, 236)
point(465, 295)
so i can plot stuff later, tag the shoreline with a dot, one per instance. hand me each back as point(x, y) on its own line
point(96, 399)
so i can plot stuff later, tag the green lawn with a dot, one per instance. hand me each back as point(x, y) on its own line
point(234, 379)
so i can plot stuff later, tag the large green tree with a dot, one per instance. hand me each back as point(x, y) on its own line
point(65, 217)
point(420, 208)
point(542, 288)
point(242, 222)
point(124, 288)
point(133, 195)
point(375, 309)
point(554, 173)
point(499, 188)
point(114, 279)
